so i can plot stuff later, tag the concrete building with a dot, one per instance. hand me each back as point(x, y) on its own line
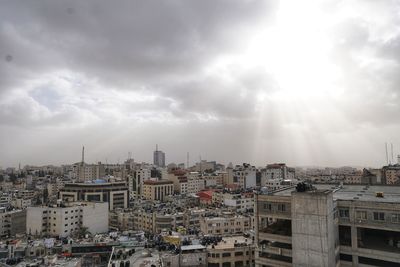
point(190, 256)
point(157, 190)
point(204, 165)
point(115, 193)
point(136, 180)
point(228, 224)
point(349, 225)
point(12, 222)
point(22, 203)
point(54, 187)
point(231, 251)
point(277, 171)
point(195, 183)
point(159, 158)
point(65, 219)
point(5, 200)
point(245, 176)
point(391, 174)
point(180, 180)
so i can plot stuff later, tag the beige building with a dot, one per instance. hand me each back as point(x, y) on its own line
point(195, 183)
point(231, 251)
point(229, 224)
point(157, 190)
point(22, 203)
point(65, 219)
point(115, 193)
point(179, 178)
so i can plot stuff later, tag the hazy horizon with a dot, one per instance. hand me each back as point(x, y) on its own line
point(302, 82)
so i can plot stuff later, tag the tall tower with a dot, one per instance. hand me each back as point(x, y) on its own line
point(159, 158)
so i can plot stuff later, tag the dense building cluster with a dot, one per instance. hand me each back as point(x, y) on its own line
point(208, 214)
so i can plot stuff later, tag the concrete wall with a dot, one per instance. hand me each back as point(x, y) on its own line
point(313, 235)
point(95, 217)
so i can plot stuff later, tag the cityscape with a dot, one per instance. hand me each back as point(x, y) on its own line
point(199, 133)
point(206, 214)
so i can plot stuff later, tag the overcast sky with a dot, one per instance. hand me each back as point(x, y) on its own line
point(241, 81)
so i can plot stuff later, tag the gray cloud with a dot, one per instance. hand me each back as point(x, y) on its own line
point(138, 72)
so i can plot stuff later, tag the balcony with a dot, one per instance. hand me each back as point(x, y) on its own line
point(382, 240)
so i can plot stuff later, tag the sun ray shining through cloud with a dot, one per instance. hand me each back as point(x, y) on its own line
point(277, 79)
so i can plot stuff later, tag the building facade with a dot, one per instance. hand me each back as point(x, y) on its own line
point(329, 226)
point(157, 189)
point(63, 220)
point(114, 193)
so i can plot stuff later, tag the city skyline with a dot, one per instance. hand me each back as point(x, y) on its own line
point(246, 81)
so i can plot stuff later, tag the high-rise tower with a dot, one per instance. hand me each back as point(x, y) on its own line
point(159, 158)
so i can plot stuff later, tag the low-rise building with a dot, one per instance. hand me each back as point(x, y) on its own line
point(228, 224)
point(189, 256)
point(114, 193)
point(157, 189)
point(64, 219)
point(12, 222)
point(231, 251)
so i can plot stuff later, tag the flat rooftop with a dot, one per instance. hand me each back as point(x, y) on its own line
point(391, 194)
point(229, 242)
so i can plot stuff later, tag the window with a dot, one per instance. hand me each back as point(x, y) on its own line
point(282, 207)
point(395, 218)
point(226, 254)
point(344, 213)
point(379, 216)
point(361, 215)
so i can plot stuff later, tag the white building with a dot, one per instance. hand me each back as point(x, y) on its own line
point(62, 220)
point(277, 171)
point(195, 183)
point(239, 202)
point(245, 175)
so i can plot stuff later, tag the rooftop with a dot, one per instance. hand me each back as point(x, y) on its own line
point(231, 241)
point(391, 194)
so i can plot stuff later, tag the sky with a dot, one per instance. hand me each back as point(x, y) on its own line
point(301, 82)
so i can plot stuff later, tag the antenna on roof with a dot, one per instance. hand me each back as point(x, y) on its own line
point(391, 145)
point(187, 160)
point(156, 147)
point(387, 156)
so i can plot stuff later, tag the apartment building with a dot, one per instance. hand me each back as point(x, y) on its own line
point(245, 176)
point(180, 180)
point(391, 174)
point(64, 219)
point(12, 222)
point(277, 172)
point(136, 180)
point(329, 225)
point(239, 201)
point(157, 189)
point(86, 172)
point(114, 193)
point(226, 224)
point(231, 251)
point(195, 183)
